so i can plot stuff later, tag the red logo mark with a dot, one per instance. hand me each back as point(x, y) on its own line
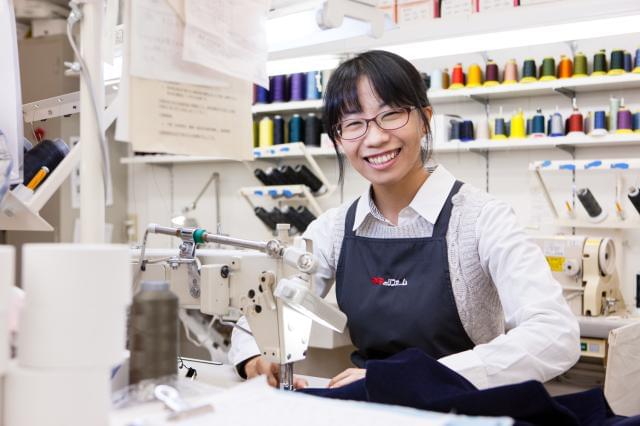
point(377, 280)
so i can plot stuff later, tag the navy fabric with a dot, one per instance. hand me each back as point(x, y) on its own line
point(414, 379)
point(397, 292)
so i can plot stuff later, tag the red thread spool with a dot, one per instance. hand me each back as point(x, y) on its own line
point(575, 123)
point(457, 77)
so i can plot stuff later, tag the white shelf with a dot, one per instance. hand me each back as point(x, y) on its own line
point(586, 165)
point(541, 88)
point(609, 223)
point(293, 149)
point(23, 215)
point(171, 159)
point(291, 106)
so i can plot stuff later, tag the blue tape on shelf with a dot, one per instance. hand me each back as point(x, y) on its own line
point(567, 167)
point(273, 193)
point(287, 193)
point(622, 166)
point(258, 193)
point(593, 164)
point(546, 163)
point(257, 154)
point(284, 149)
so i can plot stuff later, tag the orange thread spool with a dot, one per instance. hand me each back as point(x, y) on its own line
point(565, 67)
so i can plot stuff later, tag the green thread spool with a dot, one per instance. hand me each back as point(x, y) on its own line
point(617, 62)
point(529, 71)
point(580, 65)
point(153, 332)
point(255, 134)
point(548, 69)
point(599, 63)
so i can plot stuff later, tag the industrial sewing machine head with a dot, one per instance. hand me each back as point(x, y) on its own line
point(586, 269)
point(270, 284)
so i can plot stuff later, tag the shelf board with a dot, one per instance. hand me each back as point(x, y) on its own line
point(609, 223)
point(541, 88)
point(586, 165)
point(290, 106)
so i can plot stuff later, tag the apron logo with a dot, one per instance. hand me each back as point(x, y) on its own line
point(391, 282)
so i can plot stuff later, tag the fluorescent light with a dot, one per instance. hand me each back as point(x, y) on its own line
point(517, 38)
point(308, 63)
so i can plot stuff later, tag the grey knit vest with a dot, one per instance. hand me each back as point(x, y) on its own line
point(475, 294)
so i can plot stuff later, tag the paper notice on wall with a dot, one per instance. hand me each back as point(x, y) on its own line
point(229, 37)
point(186, 119)
point(157, 45)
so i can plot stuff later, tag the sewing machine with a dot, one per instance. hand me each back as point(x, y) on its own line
point(270, 284)
point(586, 269)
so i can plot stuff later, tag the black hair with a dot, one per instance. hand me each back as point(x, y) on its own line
point(394, 79)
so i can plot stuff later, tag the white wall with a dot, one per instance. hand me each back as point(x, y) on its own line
point(158, 192)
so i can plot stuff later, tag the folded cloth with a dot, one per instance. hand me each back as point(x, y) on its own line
point(414, 379)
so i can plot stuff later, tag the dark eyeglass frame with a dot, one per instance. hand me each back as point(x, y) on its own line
point(375, 119)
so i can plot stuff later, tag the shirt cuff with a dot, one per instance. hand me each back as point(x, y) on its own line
point(469, 366)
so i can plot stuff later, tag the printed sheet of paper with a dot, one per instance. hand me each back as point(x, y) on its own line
point(157, 45)
point(178, 7)
point(186, 119)
point(229, 37)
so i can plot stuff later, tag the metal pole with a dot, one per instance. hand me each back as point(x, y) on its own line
point(92, 197)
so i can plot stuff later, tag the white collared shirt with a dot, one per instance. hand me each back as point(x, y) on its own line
point(543, 336)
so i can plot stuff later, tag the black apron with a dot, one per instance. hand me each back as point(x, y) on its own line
point(396, 292)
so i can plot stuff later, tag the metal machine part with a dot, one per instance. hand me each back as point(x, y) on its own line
point(586, 269)
point(270, 284)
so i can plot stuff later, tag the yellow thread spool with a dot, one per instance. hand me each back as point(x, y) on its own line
point(265, 137)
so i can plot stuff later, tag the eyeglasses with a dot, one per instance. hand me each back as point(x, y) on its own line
point(387, 120)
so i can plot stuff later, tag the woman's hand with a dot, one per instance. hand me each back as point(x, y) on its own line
point(347, 376)
point(258, 366)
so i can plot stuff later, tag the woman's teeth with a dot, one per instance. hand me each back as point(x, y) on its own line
point(381, 159)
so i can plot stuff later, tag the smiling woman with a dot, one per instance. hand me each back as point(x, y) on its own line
point(421, 260)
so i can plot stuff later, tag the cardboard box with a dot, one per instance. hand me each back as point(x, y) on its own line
point(416, 10)
point(456, 7)
point(48, 27)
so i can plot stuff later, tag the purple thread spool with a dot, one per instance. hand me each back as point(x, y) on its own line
point(624, 121)
point(277, 84)
point(298, 86)
point(262, 95)
point(491, 72)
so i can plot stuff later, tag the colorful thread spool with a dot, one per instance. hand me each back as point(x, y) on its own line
point(636, 122)
point(565, 67)
point(575, 123)
point(314, 85)
point(278, 130)
point(255, 133)
point(436, 82)
point(510, 72)
point(474, 76)
point(614, 106)
point(548, 71)
point(296, 128)
point(591, 205)
point(599, 64)
point(265, 139)
point(297, 86)
point(312, 130)
point(517, 129)
point(580, 68)
point(262, 95)
point(499, 129)
point(278, 88)
point(628, 62)
point(527, 127)
point(454, 134)
point(491, 74)
point(445, 78)
point(457, 77)
point(537, 125)
point(599, 123)
point(556, 126)
point(617, 62)
point(636, 62)
point(529, 71)
point(625, 119)
point(466, 131)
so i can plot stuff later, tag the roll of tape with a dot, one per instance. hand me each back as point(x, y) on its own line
point(75, 307)
point(7, 277)
point(68, 397)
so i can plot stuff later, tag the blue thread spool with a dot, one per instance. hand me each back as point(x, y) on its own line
point(278, 130)
point(537, 124)
point(636, 69)
point(557, 125)
point(313, 128)
point(455, 130)
point(599, 123)
point(314, 85)
point(499, 128)
point(628, 62)
point(262, 95)
point(466, 131)
point(297, 85)
point(277, 86)
point(527, 127)
point(636, 122)
point(296, 128)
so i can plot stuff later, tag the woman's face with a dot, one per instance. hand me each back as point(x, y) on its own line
point(383, 157)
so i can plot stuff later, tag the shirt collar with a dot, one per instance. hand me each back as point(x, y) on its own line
point(428, 201)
